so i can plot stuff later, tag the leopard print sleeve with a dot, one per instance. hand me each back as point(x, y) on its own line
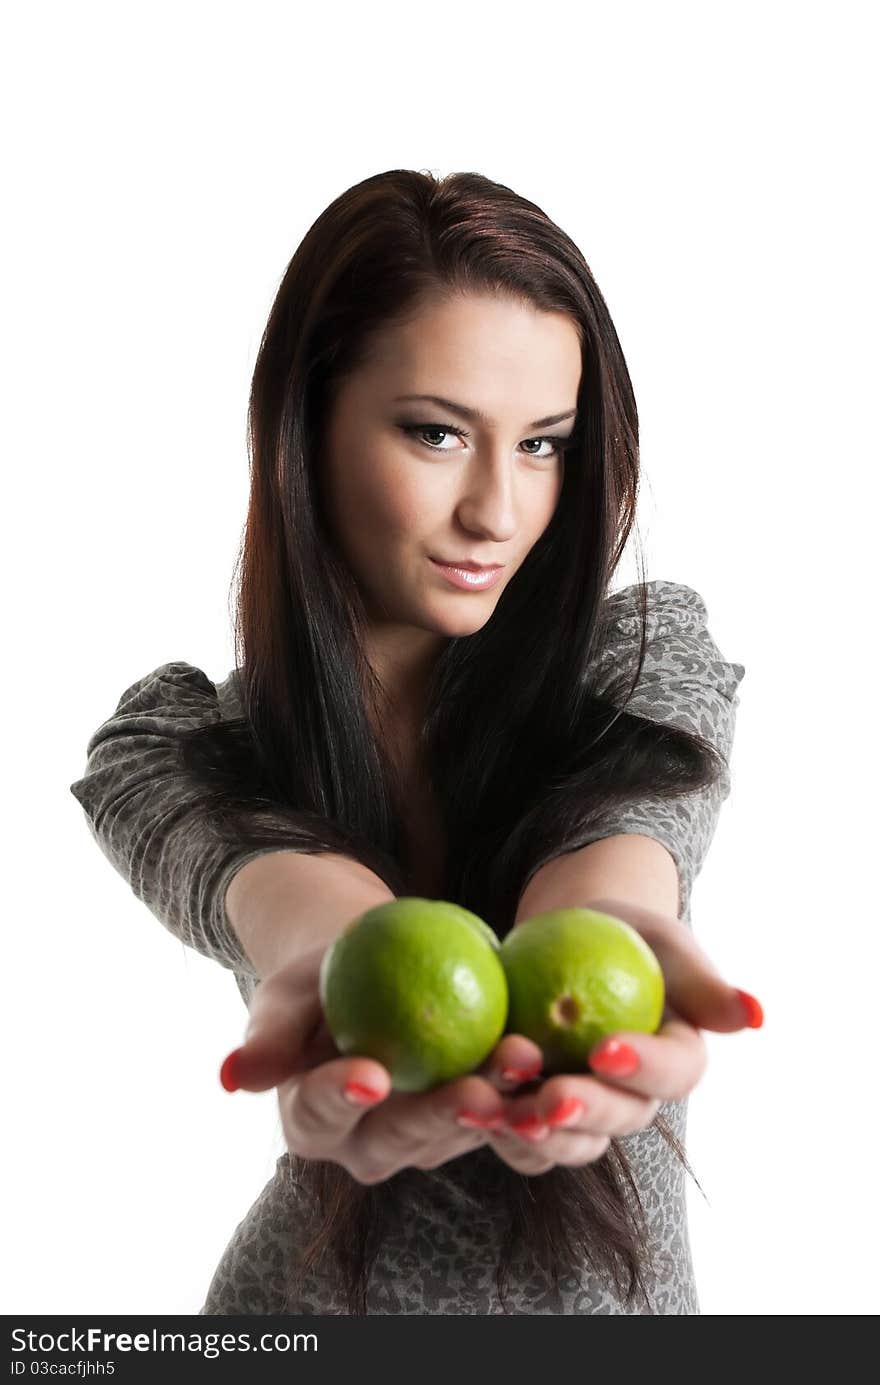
point(141, 810)
point(685, 682)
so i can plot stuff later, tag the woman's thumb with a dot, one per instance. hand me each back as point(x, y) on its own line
point(695, 990)
point(279, 1028)
point(708, 1002)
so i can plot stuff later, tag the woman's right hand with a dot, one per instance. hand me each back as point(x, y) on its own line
point(343, 1109)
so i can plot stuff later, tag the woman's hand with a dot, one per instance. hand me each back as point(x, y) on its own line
point(570, 1118)
point(343, 1109)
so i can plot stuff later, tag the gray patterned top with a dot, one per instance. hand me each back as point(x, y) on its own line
point(138, 805)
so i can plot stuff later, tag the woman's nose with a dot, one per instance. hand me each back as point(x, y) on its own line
point(488, 501)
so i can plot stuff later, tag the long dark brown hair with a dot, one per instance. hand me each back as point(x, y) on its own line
point(519, 783)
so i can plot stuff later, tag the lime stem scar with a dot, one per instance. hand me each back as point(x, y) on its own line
point(565, 1011)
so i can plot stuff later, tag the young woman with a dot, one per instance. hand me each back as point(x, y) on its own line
point(438, 695)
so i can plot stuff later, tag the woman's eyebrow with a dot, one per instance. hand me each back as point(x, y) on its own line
point(476, 414)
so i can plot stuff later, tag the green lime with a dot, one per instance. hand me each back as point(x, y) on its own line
point(418, 985)
point(574, 977)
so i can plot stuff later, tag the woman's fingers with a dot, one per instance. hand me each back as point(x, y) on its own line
point(666, 1065)
point(286, 1029)
point(345, 1110)
point(323, 1118)
point(322, 1106)
point(570, 1122)
point(514, 1060)
point(422, 1129)
point(584, 1105)
point(523, 1158)
point(694, 986)
point(530, 1146)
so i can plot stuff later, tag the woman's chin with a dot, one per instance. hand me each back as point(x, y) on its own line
point(456, 624)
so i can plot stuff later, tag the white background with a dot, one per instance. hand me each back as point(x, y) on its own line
point(162, 162)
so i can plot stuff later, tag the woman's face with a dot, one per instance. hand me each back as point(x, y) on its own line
point(408, 481)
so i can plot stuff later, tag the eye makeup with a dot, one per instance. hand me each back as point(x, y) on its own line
point(561, 444)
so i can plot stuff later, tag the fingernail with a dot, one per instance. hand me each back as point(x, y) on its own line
point(752, 1008)
point(566, 1111)
point(520, 1074)
point(615, 1058)
point(229, 1073)
point(359, 1094)
point(530, 1127)
point(474, 1122)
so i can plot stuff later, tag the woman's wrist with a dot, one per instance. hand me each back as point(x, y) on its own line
point(285, 902)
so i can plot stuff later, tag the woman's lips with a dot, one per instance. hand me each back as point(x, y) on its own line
point(467, 580)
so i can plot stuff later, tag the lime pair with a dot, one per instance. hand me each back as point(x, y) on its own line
point(426, 988)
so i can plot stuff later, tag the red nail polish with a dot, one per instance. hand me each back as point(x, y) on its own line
point(615, 1059)
point(752, 1008)
point(567, 1110)
point(531, 1127)
point(471, 1121)
point(520, 1074)
point(229, 1075)
point(359, 1094)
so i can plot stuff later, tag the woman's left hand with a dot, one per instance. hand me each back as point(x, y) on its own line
point(570, 1118)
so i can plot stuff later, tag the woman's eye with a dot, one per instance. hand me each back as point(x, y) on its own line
point(423, 431)
point(555, 445)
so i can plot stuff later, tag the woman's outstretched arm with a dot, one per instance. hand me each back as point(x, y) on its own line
point(626, 866)
point(148, 817)
point(686, 682)
point(289, 901)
